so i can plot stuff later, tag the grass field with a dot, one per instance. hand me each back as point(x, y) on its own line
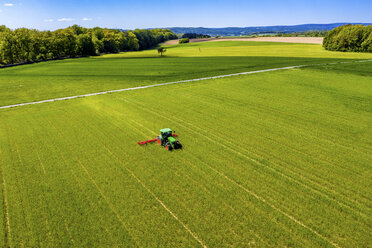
point(277, 159)
point(81, 76)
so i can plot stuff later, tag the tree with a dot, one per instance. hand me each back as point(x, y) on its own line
point(161, 50)
point(348, 38)
point(7, 48)
point(64, 43)
point(133, 44)
point(183, 40)
point(195, 36)
point(85, 45)
point(109, 42)
point(78, 29)
point(145, 38)
point(367, 44)
point(22, 51)
point(121, 41)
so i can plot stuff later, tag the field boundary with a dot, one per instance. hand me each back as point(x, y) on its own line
point(176, 82)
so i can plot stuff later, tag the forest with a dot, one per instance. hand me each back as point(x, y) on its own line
point(195, 36)
point(29, 45)
point(302, 34)
point(349, 38)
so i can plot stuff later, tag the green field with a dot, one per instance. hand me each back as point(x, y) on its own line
point(275, 159)
point(81, 76)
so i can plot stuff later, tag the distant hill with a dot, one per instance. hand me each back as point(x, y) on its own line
point(238, 31)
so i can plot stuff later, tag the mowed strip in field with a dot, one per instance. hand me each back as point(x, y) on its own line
point(278, 159)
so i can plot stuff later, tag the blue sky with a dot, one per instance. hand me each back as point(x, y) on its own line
point(53, 14)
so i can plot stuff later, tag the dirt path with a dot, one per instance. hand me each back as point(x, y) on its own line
point(305, 40)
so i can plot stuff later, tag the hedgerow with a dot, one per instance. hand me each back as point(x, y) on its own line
point(349, 38)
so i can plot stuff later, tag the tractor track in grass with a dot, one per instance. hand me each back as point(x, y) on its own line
point(300, 127)
point(119, 217)
point(20, 195)
point(91, 204)
point(101, 218)
point(54, 199)
point(176, 82)
point(193, 234)
point(294, 149)
point(43, 214)
point(320, 191)
point(7, 234)
point(131, 173)
point(260, 198)
point(309, 187)
point(323, 161)
point(241, 152)
point(189, 162)
point(254, 194)
point(47, 225)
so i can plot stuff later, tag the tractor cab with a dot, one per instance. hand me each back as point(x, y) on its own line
point(166, 133)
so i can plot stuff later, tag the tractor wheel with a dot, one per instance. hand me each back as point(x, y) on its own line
point(177, 145)
point(159, 141)
point(168, 147)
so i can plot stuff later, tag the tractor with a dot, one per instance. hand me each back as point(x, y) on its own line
point(166, 139)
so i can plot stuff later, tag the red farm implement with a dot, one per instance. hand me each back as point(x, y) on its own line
point(165, 139)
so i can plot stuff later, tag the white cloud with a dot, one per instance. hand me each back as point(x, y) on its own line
point(66, 19)
point(87, 19)
point(8, 4)
point(49, 20)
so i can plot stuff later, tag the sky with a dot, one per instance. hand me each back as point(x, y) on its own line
point(54, 14)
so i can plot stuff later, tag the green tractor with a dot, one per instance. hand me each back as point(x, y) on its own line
point(166, 139)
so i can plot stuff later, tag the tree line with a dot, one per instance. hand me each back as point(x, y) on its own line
point(195, 36)
point(349, 38)
point(303, 34)
point(29, 45)
point(183, 40)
